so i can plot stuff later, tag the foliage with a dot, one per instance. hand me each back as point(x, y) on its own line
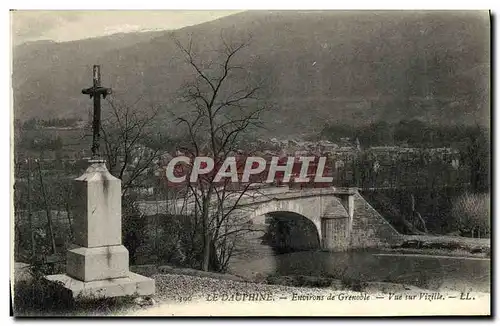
point(476, 155)
point(175, 240)
point(41, 212)
point(445, 210)
point(36, 296)
point(434, 206)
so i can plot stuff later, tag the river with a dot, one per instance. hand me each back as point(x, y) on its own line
point(444, 273)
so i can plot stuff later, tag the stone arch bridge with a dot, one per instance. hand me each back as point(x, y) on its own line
point(342, 217)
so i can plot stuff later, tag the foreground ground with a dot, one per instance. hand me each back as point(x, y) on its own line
point(215, 297)
point(177, 286)
point(175, 293)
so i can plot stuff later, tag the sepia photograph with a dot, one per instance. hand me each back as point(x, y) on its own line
point(252, 163)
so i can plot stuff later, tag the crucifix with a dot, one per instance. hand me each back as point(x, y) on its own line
point(95, 92)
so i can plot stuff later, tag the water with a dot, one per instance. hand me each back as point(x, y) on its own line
point(434, 273)
point(259, 255)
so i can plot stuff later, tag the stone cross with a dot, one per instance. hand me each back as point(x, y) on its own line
point(95, 92)
point(97, 264)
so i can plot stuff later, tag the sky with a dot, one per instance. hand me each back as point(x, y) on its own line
point(62, 26)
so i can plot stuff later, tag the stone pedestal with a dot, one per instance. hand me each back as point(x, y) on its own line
point(98, 263)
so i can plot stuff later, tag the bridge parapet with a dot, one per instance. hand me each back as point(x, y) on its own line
point(258, 197)
point(252, 197)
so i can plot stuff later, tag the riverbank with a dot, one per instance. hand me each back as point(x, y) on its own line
point(300, 281)
point(443, 245)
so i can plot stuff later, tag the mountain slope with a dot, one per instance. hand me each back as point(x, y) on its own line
point(349, 67)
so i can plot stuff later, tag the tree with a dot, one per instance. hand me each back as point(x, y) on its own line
point(476, 156)
point(126, 133)
point(416, 218)
point(220, 112)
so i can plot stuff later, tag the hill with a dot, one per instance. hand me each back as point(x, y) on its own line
point(318, 67)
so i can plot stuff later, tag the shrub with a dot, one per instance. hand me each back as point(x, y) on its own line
point(471, 215)
point(35, 295)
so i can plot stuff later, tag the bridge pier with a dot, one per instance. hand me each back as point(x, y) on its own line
point(336, 229)
point(335, 234)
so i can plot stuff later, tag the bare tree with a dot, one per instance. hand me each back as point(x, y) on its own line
point(416, 218)
point(126, 132)
point(221, 112)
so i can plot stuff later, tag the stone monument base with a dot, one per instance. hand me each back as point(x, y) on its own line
point(132, 284)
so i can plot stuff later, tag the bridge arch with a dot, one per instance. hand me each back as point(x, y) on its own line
point(288, 231)
point(293, 207)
